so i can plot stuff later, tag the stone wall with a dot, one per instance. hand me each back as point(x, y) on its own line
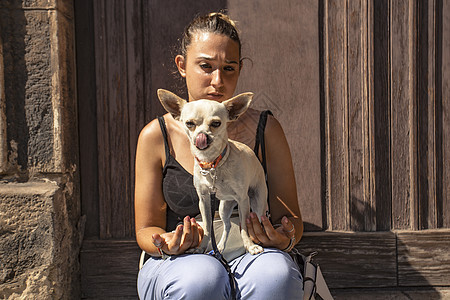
point(40, 224)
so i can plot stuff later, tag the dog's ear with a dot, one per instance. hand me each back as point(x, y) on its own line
point(237, 105)
point(171, 102)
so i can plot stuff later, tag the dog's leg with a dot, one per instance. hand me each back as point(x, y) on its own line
point(207, 219)
point(258, 201)
point(244, 212)
point(225, 211)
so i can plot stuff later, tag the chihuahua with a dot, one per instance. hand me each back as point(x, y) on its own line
point(226, 167)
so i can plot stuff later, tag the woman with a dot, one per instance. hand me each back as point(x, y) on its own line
point(165, 199)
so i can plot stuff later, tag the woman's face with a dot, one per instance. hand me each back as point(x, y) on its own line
point(211, 67)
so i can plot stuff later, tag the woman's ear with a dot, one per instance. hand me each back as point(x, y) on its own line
point(181, 65)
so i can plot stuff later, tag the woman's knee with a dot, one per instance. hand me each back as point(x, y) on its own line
point(271, 274)
point(191, 277)
point(201, 271)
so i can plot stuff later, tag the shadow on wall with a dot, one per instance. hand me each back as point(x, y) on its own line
point(12, 30)
point(17, 249)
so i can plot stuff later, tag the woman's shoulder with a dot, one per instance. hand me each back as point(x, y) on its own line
point(273, 126)
point(152, 131)
point(275, 136)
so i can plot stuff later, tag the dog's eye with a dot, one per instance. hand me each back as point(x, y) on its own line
point(216, 124)
point(190, 124)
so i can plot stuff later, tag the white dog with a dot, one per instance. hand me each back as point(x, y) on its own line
point(228, 167)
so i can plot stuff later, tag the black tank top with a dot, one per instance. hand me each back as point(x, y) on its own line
point(178, 187)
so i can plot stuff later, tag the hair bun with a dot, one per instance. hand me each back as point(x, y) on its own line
point(223, 17)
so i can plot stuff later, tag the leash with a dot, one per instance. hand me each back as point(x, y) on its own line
point(215, 251)
point(214, 203)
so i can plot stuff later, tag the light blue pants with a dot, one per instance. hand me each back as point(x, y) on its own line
point(268, 275)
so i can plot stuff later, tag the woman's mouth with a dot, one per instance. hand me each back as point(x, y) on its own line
point(214, 96)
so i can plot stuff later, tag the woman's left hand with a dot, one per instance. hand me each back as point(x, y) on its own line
point(268, 236)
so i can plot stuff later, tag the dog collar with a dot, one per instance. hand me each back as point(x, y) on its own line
point(211, 164)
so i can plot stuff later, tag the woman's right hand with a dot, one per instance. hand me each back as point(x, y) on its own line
point(186, 236)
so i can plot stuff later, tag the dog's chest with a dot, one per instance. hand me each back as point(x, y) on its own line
point(226, 186)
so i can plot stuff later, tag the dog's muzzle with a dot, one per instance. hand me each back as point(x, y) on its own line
point(202, 141)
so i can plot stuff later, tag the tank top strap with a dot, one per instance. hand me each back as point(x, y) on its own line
point(260, 142)
point(260, 136)
point(162, 124)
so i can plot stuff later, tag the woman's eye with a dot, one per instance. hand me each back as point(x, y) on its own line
point(190, 124)
point(205, 66)
point(229, 68)
point(216, 124)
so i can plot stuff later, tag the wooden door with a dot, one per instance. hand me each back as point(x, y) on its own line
point(362, 90)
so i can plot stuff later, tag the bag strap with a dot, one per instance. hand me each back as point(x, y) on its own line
point(314, 284)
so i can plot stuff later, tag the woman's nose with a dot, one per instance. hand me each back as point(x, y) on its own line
point(217, 80)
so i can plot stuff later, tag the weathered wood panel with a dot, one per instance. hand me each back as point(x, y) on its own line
point(422, 257)
point(119, 210)
point(430, 202)
point(101, 57)
point(427, 130)
point(109, 269)
point(362, 212)
point(116, 209)
point(119, 113)
point(87, 117)
point(444, 96)
point(135, 95)
point(344, 257)
point(355, 106)
point(403, 113)
point(382, 114)
point(336, 114)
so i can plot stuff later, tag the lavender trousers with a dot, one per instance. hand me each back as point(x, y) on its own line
point(268, 275)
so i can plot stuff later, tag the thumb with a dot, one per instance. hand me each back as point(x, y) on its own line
point(157, 240)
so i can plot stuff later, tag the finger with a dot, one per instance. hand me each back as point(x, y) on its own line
point(258, 229)
point(186, 238)
point(195, 237)
point(174, 244)
point(270, 232)
point(250, 231)
point(288, 227)
point(157, 240)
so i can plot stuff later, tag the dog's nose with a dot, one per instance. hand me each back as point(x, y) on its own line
point(201, 141)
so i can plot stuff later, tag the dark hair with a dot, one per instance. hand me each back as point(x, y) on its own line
point(215, 23)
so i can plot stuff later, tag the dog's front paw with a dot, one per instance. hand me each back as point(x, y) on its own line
point(220, 247)
point(255, 249)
